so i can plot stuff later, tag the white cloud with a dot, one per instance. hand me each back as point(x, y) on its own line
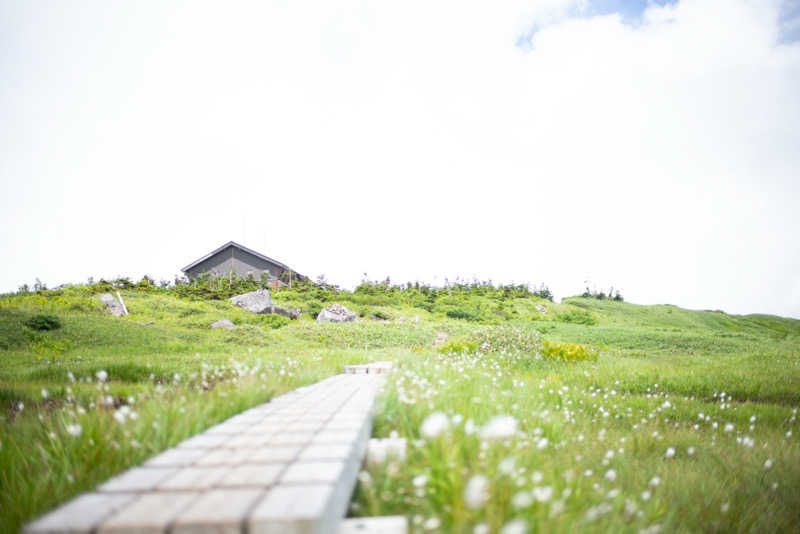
point(412, 139)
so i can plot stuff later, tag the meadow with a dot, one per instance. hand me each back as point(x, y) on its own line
point(589, 415)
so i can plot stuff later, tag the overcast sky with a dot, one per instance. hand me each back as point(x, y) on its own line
point(653, 146)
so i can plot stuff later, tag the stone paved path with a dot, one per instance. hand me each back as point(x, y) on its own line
point(286, 466)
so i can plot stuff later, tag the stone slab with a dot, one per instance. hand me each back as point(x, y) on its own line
point(138, 479)
point(227, 457)
point(336, 437)
point(314, 472)
point(275, 454)
point(291, 438)
point(80, 515)
point(381, 367)
point(390, 524)
point(176, 457)
point(249, 441)
point(205, 441)
point(193, 479)
point(218, 511)
point(253, 475)
point(295, 510)
point(326, 452)
point(150, 513)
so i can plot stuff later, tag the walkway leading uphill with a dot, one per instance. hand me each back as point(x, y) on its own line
point(286, 466)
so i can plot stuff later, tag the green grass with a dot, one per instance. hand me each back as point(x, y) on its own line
point(608, 425)
point(178, 376)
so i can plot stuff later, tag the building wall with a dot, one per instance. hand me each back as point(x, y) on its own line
point(237, 261)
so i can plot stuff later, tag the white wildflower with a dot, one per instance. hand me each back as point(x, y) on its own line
point(45, 393)
point(543, 493)
point(541, 443)
point(728, 427)
point(122, 413)
point(470, 427)
point(556, 508)
point(522, 499)
point(536, 477)
point(515, 526)
point(434, 425)
point(74, 430)
point(101, 375)
point(432, 523)
point(506, 465)
point(725, 507)
point(655, 481)
point(645, 495)
point(611, 475)
point(481, 528)
point(768, 463)
point(419, 481)
point(690, 450)
point(475, 492)
point(499, 427)
point(670, 452)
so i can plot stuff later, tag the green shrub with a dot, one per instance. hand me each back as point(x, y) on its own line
point(381, 315)
point(458, 345)
point(313, 307)
point(273, 320)
point(463, 313)
point(577, 317)
point(612, 294)
point(498, 339)
point(43, 321)
point(508, 339)
point(568, 352)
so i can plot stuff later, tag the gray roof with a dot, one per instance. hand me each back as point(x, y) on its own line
point(240, 247)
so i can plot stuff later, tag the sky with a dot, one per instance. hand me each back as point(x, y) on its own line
point(649, 145)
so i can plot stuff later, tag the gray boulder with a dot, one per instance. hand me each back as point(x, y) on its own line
point(255, 301)
point(336, 313)
point(259, 302)
point(113, 306)
point(290, 312)
point(223, 323)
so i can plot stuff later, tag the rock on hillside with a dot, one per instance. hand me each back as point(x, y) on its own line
point(223, 323)
point(336, 313)
point(259, 302)
point(113, 306)
point(256, 301)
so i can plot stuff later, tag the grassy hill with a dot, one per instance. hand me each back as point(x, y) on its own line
point(593, 423)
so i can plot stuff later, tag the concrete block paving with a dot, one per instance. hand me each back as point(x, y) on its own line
point(286, 466)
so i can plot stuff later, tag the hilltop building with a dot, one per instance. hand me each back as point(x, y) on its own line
point(235, 259)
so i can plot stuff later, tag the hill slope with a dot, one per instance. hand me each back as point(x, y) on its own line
point(177, 376)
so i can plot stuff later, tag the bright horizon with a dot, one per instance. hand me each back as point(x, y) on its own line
point(649, 146)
